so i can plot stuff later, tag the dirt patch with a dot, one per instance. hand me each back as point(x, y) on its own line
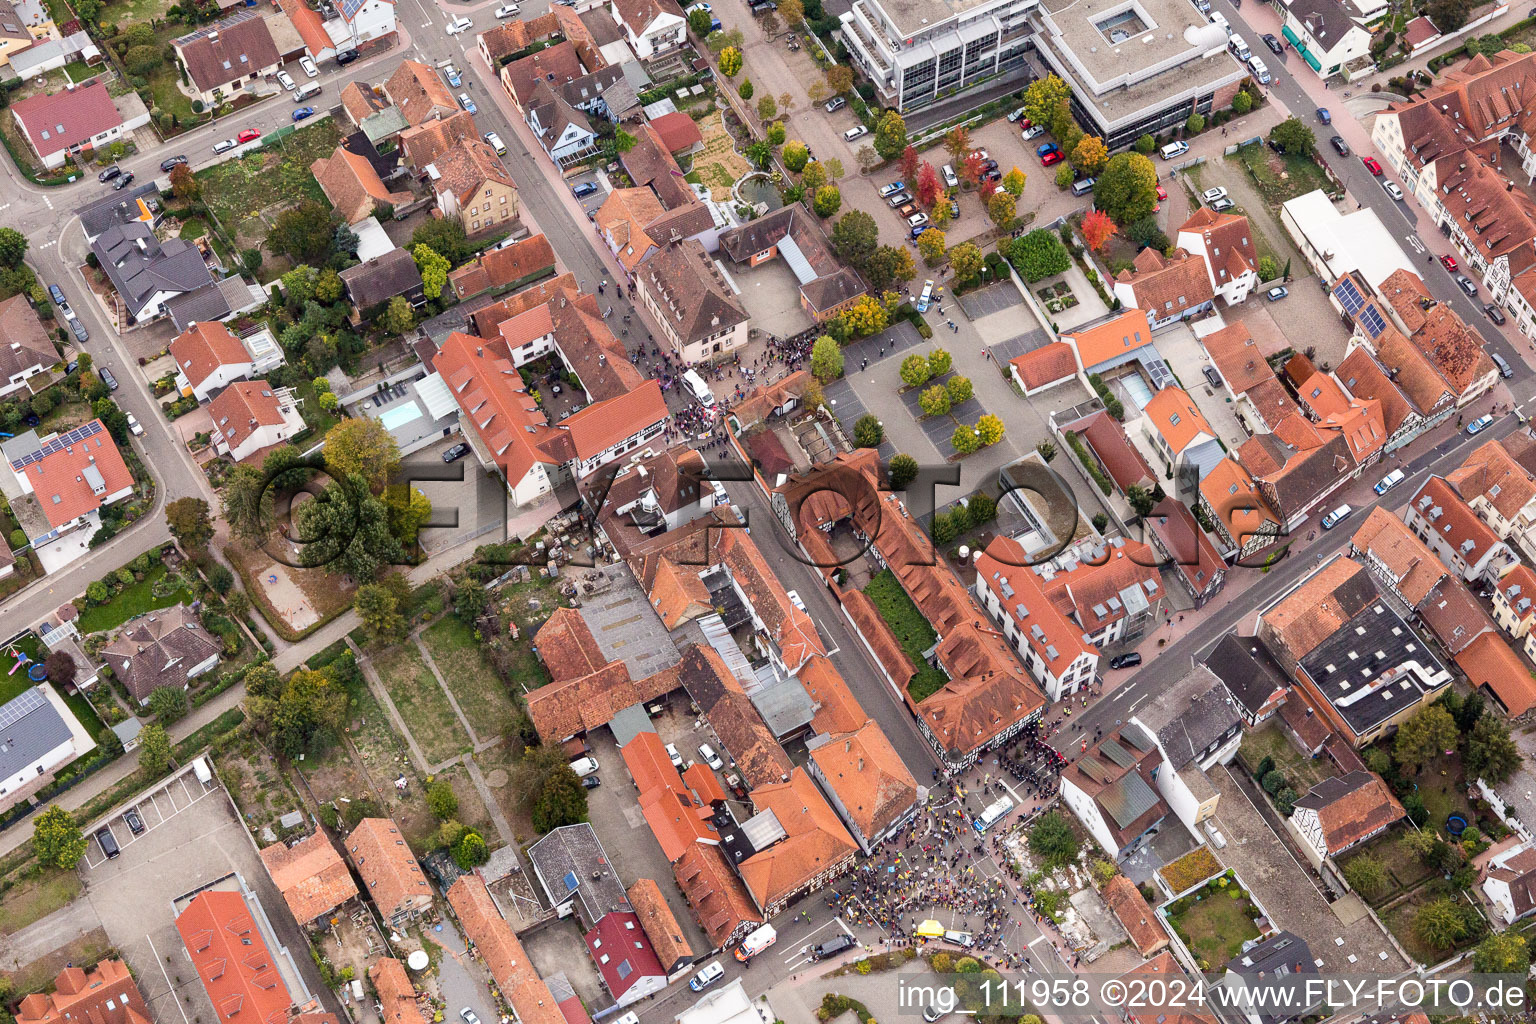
point(83, 952)
point(36, 898)
point(260, 788)
point(497, 778)
point(294, 600)
point(718, 164)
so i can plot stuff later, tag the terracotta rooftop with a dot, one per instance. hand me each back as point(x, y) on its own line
point(311, 875)
point(502, 953)
point(659, 923)
point(1490, 662)
point(870, 781)
point(1045, 365)
point(1237, 357)
point(1133, 913)
point(815, 840)
point(396, 994)
point(388, 868)
point(1451, 519)
point(1167, 287)
point(106, 994)
point(1491, 474)
point(204, 347)
point(1175, 416)
point(232, 960)
point(1389, 542)
point(1351, 808)
point(1111, 339)
point(720, 902)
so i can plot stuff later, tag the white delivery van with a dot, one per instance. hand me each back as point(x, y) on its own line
point(312, 89)
point(700, 390)
point(1239, 46)
point(584, 766)
point(756, 942)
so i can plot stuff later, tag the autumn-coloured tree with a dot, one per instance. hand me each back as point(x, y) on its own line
point(839, 78)
point(929, 185)
point(1090, 155)
point(1013, 182)
point(957, 142)
point(909, 163)
point(1097, 229)
point(988, 187)
point(932, 246)
point(973, 168)
point(940, 217)
point(1002, 208)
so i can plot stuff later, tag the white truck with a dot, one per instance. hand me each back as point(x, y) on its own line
point(756, 942)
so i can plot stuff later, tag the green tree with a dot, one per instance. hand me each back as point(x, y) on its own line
point(301, 715)
point(1293, 136)
point(57, 840)
point(730, 62)
point(890, 264)
point(154, 750)
point(1489, 753)
point(1141, 500)
point(914, 370)
point(964, 440)
point(557, 794)
point(168, 703)
point(792, 11)
point(776, 133)
point(932, 246)
point(1468, 712)
point(303, 233)
point(854, 237)
point(441, 799)
point(13, 247)
point(189, 522)
point(1002, 208)
point(940, 361)
point(142, 60)
point(839, 78)
point(362, 447)
point(469, 600)
point(890, 135)
point(1502, 953)
point(1423, 737)
point(245, 501)
point(1039, 255)
point(434, 270)
point(901, 471)
point(795, 155)
point(346, 530)
point(378, 607)
point(960, 389)
point(1241, 103)
point(814, 176)
point(1439, 924)
point(827, 201)
point(1089, 155)
point(1127, 188)
point(826, 359)
point(470, 850)
point(745, 89)
point(867, 432)
point(397, 317)
point(1194, 124)
point(1052, 840)
point(1145, 145)
point(1044, 99)
point(1366, 875)
point(220, 579)
point(1065, 175)
point(700, 23)
point(446, 238)
point(1046, 450)
point(966, 259)
point(934, 401)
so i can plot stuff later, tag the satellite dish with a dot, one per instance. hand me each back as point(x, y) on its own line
point(418, 960)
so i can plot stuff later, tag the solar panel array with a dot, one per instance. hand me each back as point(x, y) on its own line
point(349, 8)
point(58, 444)
point(1349, 296)
point(1371, 320)
point(15, 710)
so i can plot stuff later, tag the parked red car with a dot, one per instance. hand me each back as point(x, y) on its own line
point(1055, 156)
point(248, 135)
point(1371, 165)
point(1449, 263)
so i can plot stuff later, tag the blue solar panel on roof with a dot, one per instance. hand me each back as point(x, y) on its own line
point(1371, 320)
point(24, 704)
point(349, 8)
point(59, 444)
point(1349, 296)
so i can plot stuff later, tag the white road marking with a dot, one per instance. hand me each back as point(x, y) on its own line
point(1418, 246)
point(167, 978)
point(1032, 945)
point(1138, 700)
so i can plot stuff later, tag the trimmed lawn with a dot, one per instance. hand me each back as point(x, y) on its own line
point(1400, 916)
point(1216, 926)
point(1442, 786)
point(12, 684)
point(1406, 869)
point(79, 71)
point(36, 898)
point(912, 631)
point(474, 683)
point(277, 174)
point(130, 601)
point(421, 702)
point(317, 419)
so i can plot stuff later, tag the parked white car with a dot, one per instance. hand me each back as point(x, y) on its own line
point(285, 80)
point(458, 25)
point(308, 65)
point(508, 10)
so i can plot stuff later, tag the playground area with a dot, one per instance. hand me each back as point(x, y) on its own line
point(293, 599)
point(23, 659)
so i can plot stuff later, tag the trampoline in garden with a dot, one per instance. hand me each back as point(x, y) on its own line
point(36, 672)
point(1455, 825)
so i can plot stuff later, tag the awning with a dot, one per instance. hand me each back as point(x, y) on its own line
point(1306, 55)
point(930, 930)
point(1290, 36)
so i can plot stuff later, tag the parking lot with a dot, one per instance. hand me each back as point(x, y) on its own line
point(192, 838)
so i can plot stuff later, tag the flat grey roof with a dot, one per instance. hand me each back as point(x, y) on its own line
point(30, 726)
point(624, 625)
point(914, 16)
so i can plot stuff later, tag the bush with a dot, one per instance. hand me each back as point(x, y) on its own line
point(1272, 782)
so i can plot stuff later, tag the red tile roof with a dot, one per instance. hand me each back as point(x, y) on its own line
point(720, 902)
point(1389, 542)
point(388, 868)
point(242, 407)
point(1045, 365)
point(1121, 459)
point(1243, 512)
point(1237, 357)
point(1126, 332)
point(106, 994)
point(567, 646)
point(815, 842)
point(1176, 528)
point(311, 876)
point(675, 820)
point(419, 93)
point(232, 959)
point(59, 482)
point(396, 994)
point(1167, 287)
point(1174, 415)
point(1455, 524)
point(622, 954)
point(660, 924)
point(1490, 662)
point(863, 769)
point(677, 131)
point(604, 424)
point(504, 956)
point(69, 117)
point(1140, 923)
point(1351, 808)
point(203, 348)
